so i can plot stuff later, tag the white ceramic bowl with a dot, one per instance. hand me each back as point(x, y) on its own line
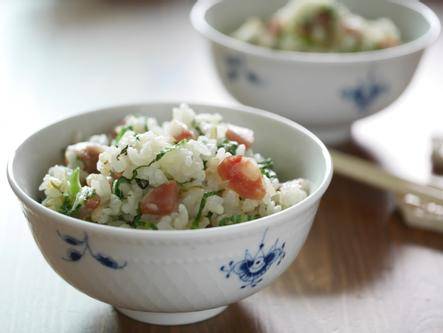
point(324, 92)
point(171, 277)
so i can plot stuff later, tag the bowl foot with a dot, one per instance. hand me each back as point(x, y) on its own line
point(171, 318)
point(332, 135)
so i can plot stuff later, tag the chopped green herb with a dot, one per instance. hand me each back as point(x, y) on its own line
point(197, 218)
point(266, 163)
point(234, 219)
point(139, 224)
point(122, 132)
point(158, 157)
point(197, 127)
point(142, 183)
point(137, 219)
point(123, 152)
point(84, 194)
point(270, 173)
point(74, 185)
point(229, 146)
point(116, 186)
point(76, 195)
point(163, 152)
point(147, 225)
point(267, 168)
point(65, 208)
point(166, 150)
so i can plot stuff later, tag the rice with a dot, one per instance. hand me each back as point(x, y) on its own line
point(194, 171)
point(319, 26)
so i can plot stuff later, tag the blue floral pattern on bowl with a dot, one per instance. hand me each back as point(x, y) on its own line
point(365, 93)
point(80, 247)
point(251, 269)
point(237, 68)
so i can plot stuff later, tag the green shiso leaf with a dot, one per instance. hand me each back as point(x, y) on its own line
point(197, 127)
point(139, 224)
point(266, 163)
point(229, 146)
point(65, 208)
point(74, 185)
point(84, 194)
point(122, 132)
point(166, 150)
point(197, 218)
point(116, 186)
point(234, 219)
point(267, 168)
point(76, 194)
point(142, 183)
point(158, 157)
point(147, 225)
point(123, 152)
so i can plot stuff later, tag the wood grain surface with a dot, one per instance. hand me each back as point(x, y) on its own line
point(361, 269)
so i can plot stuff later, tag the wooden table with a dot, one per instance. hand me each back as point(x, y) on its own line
point(361, 269)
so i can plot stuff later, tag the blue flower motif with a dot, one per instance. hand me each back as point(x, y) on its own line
point(82, 247)
point(70, 240)
point(364, 94)
point(74, 255)
point(252, 267)
point(108, 261)
point(237, 68)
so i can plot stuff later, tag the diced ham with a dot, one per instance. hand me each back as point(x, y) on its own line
point(89, 157)
point(92, 202)
point(180, 131)
point(274, 27)
point(241, 135)
point(88, 153)
point(88, 207)
point(162, 200)
point(185, 134)
point(243, 176)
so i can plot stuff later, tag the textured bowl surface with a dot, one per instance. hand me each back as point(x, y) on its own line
point(324, 92)
point(172, 277)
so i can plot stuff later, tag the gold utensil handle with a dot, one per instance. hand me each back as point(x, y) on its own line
point(371, 174)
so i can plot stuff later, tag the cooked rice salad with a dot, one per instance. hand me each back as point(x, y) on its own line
point(319, 26)
point(192, 172)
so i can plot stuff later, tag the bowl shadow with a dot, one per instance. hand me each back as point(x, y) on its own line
point(353, 241)
point(349, 245)
point(235, 318)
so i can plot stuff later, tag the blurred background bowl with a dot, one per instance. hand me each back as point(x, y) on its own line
point(172, 277)
point(325, 92)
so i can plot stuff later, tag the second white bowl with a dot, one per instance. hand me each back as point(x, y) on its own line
point(324, 92)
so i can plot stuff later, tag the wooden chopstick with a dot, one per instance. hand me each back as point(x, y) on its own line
point(371, 174)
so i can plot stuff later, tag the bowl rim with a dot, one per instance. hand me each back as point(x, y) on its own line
point(176, 234)
point(199, 22)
